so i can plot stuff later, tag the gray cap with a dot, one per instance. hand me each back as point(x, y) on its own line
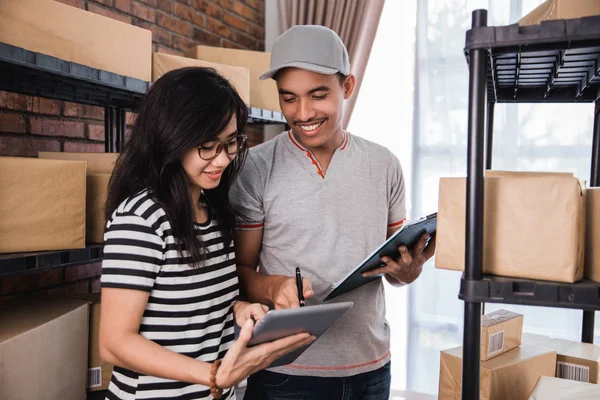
point(312, 47)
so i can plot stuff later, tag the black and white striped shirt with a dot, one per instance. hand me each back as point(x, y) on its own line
point(189, 311)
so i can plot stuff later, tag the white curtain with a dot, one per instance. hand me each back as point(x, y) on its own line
point(422, 117)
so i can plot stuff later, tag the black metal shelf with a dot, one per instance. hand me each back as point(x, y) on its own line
point(36, 74)
point(555, 61)
point(582, 295)
point(42, 260)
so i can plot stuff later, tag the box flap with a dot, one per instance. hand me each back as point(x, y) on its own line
point(96, 162)
point(28, 313)
point(239, 77)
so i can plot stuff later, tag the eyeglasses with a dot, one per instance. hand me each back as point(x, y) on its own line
point(211, 150)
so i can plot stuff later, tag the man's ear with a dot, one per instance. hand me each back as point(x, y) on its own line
point(348, 86)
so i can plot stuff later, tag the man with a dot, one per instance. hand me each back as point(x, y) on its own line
point(321, 199)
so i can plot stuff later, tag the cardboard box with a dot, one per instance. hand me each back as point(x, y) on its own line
point(592, 239)
point(574, 360)
point(43, 348)
point(99, 170)
point(522, 226)
point(72, 34)
point(501, 331)
point(561, 9)
point(42, 204)
point(99, 371)
point(239, 77)
point(263, 94)
point(101, 163)
point(549, 388)
point(512, 375)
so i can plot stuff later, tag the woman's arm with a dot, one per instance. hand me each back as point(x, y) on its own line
point(122, 345)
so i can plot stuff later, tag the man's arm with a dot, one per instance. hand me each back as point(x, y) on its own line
point(255, 286)
point(274, 290)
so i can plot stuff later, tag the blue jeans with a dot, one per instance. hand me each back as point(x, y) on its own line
point(267, 385)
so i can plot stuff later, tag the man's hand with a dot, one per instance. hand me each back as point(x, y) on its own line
point(408, 266)
point(284, 293)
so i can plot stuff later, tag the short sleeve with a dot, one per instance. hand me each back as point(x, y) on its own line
point(246, 197)
point(133, 253)
point(397, 195)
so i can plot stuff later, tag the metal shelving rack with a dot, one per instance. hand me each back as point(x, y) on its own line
point(36, 74)
point(555, 61)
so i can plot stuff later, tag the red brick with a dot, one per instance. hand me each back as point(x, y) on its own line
point(95, 132)
point(165, 5)
point(123, 5)
point(74, 3)
point(12, 122)
point(187, 2)
point(42, 105)
point(159, 35)
point(260, 45)
point(81, 272)
point(151, 3)
point(95, 286)
point(130, 117)
point(230, 45)
point(257, 5)
point(105, 12)
point(245, 11)
point(21, 102)
point(227, 4)
point(245, 40)
point(143, 12)
point(206, 38)
point(13, 101)
point(50, 127)
point(208, 8)
point(74, 289)
point(30, 282)
point(83, 111)
point(235, 22)
point(168, 50)
point(256, 31)
point(25, 146)
point(182, 44)
point(174, 24)
point(215, 26)
point(109, 3)
point(82, 147)
point(188, 14)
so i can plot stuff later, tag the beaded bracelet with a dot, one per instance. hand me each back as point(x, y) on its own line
point(215, 391)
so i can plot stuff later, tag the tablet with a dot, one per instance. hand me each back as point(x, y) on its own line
point(408, 235)
point(277, 324)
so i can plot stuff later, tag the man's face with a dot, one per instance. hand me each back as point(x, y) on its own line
point(312, 104)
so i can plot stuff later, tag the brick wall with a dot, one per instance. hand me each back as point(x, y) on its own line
point(30, 124)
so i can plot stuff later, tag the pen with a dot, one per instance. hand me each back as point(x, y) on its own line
point(299, 286)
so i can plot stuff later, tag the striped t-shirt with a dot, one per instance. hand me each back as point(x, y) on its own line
point(189, 311)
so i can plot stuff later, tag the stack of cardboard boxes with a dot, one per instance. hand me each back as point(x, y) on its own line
point(538, 225)
point(513, 364)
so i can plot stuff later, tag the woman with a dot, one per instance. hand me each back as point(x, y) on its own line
point(169, 282)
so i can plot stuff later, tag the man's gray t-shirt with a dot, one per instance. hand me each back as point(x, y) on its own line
point(326, 224)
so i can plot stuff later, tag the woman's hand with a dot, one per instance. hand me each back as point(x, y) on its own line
point(243, 311)
point(241, 361)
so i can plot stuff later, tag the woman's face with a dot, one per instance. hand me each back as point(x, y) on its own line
point(206, 174)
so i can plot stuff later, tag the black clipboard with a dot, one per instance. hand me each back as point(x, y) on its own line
point(408, 235)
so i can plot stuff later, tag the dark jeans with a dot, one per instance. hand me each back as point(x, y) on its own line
point(266, 385)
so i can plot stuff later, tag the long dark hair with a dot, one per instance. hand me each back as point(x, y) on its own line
point(185, 108)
